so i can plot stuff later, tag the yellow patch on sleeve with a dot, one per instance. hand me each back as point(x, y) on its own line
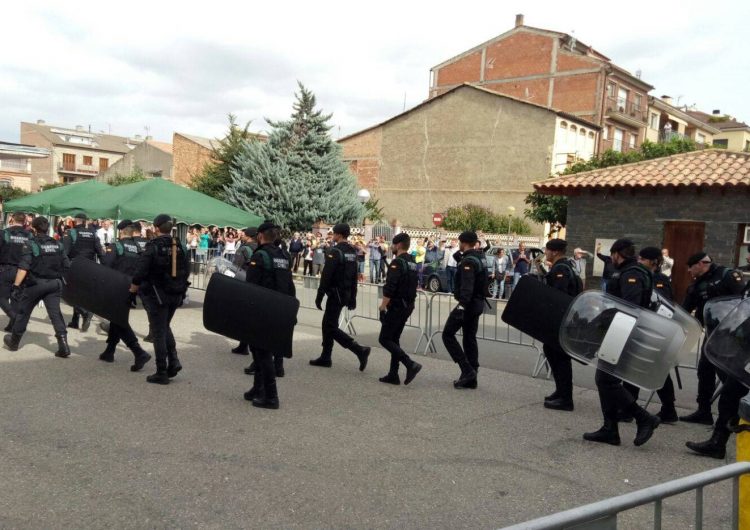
point(252, 263)
point(631, 280)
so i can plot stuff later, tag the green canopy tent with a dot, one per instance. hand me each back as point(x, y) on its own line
point(45, 202)
point(147, 199)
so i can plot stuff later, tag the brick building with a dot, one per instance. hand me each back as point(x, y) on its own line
point(554, 70)
point(686, 203)
point(76, 154)
point(467, 145)
point(190, 155)
point(15, 164)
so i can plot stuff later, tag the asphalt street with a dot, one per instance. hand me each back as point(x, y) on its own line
point(88, 444)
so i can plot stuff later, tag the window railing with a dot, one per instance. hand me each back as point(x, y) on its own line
point(627, 107)
point(73, 168)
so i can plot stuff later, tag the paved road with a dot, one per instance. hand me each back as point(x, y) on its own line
point(90, 445)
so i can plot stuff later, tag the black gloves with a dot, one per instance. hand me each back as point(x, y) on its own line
point(15, 293)
point(319, 300)
point(352, 305)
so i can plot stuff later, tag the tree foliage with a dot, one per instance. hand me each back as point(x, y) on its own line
point(119, 179)
point(216, 174)
point(475, 217)
point(297, 177)
point(8, 193)
point(553, 208)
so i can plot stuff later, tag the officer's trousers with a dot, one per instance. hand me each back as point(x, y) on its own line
point(468, 323)
point(706, 381)
point(160, 315)
point(665, 393)
point(729, 402)
point(48, 291)
point(331, 330)
point(264, 378)
point(562, 370)
point(117, 333)
point(393, 323)
point(613, 396)
point(7, 278)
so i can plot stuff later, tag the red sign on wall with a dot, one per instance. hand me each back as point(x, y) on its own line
point(437, 219)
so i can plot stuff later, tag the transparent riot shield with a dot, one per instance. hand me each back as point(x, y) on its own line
point(717, 310)
point(728, 347)
point(631, 343)
point(225, 267)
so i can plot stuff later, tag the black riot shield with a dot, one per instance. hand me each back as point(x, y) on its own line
point(537, 309)
point(249, 313)
point(99, 289)
point(728, 347)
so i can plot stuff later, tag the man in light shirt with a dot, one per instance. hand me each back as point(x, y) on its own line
point(106, 233)
point(667, 263)
point(451, 247)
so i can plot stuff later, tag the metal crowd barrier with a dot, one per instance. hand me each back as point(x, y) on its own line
point(603, 514)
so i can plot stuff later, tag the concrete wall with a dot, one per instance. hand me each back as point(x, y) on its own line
point(640, 216)
point(41, 168)
point(189, 158)
point(737, 139)
point(467, 147)
point(147, 157)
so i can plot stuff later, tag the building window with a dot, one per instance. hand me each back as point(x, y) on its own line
point(563, 125)
point(632, 141)
point(611, 87)
point(723, 144)
point(700, 138)
point(637, 102)
point(6, 183)
point(605, 132)
point(573, 129)
point(618, 139)
point(654, 121)
point(88, 161)
point(69, 162)
point(747, 146)
point(622, 99)
point(103, 164)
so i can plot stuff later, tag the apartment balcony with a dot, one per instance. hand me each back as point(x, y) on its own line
point(626, 111)
point(14, 165)
point(75, 169)
point(616, 145)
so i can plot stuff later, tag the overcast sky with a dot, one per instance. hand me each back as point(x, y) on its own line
point(124, 66)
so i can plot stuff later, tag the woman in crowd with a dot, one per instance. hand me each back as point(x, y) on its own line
point(307, 256)
point(230, 243)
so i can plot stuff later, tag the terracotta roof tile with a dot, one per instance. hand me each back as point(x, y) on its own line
point(710, 168)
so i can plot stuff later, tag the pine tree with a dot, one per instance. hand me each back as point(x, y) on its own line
point(298, 176)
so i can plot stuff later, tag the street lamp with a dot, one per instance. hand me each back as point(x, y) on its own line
point(363, 195)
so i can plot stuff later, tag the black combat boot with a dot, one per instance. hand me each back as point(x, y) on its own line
point(668, 414)
point(141, 357)
point(391, 379)
point(63, 350)
point(12, 341)
point(160, 377)
point(9, 327)
point(646, 424)
point(560, 403)
point(411, 372)
point(553, 396)
point(269, 398)
point(86, 322)
point(715, 447)
point(250, 370)
point(701, 416)
point(608, 434)
point(73, 324)
point(257, 389)
point(241, 349)
point(362, 353)
point(174, 366)
point(149, 337)
point(468, 377)
point(108, 355)
point(325, 362)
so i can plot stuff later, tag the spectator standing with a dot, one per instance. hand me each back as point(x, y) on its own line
point(295, 250)
point(667, 263)
point(105, 233)
point(432, 254)
point(501, 270)
point(361, 256)
point(307, 257)
point(521, 263)
point(384, 250)
point(419, 254)
point(375, 256)
point(580, 257)
point(609, 267)
point(203, 244)
point(230, 244)
point(319, 257)
point(451, 247)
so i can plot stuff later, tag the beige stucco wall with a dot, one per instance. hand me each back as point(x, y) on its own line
point(737, 139)
point(148, 158)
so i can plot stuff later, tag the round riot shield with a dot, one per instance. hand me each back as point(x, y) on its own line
point(728, 347)
point(225, 267)
point(629, 342)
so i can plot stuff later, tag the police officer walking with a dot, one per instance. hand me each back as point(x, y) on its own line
point(399, 294)
point(161, 278)
point(470, 288)
point(13, 240)
point(270, 267)
point(563, 276)
point(339, 283)
point(82, 241)
point(137, 236)
point(242, 260)
point(710, 281)
point(124, 258)
point(41, 269)
point(631, 282)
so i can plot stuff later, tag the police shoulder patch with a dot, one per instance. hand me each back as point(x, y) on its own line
point(560, 275)
point(467, 268)
point(631, 280)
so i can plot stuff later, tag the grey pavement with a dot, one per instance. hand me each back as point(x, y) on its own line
point(88, 444)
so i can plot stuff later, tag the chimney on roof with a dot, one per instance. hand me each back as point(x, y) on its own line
point(667, 99)
point(40, 122)
point(519, 20)
point(79, 128)
point(716, 112)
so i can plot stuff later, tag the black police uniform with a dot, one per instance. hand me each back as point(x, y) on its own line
point(242, 260)
point(12, 242)
point(717, 281)
point(46, 262)
point(401, 287)
point(124, 257)
point(470, 287)
point(162, 294)
point(82, 241)
point(269, 267)
point(339, 283)
point(561, 276)
point(633, 283)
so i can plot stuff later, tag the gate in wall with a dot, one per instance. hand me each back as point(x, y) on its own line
point(384, 230)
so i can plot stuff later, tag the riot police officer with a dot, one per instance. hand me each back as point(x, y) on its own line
point(710, 281)
point(242, 260)
point(161, 278)
point(397, 305)
point(339, 283)
point(11, 246)
point(124, 258)
point(82, 241)
point(41, 269)
point(269, 267)
point(633, 283)
point(137, 236)
point(563, 276)
point(470, 288)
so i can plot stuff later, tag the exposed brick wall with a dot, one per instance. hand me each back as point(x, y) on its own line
point(576, 93)
point(518, 55)
point(189, 159)
point(569, 61)
point(533, 90)
point(465, 70)
point(362, 152)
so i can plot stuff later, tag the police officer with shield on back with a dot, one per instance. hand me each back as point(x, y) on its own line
point(124, 258)
point(11, 247)
point(161, 278)
point(399, 294)
point(242, 260)
point(710, 281)
point(82, 241)
point(339, 283)
point(470, 288)
point(41, 269)
point(269, 267)
point(563, 276)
